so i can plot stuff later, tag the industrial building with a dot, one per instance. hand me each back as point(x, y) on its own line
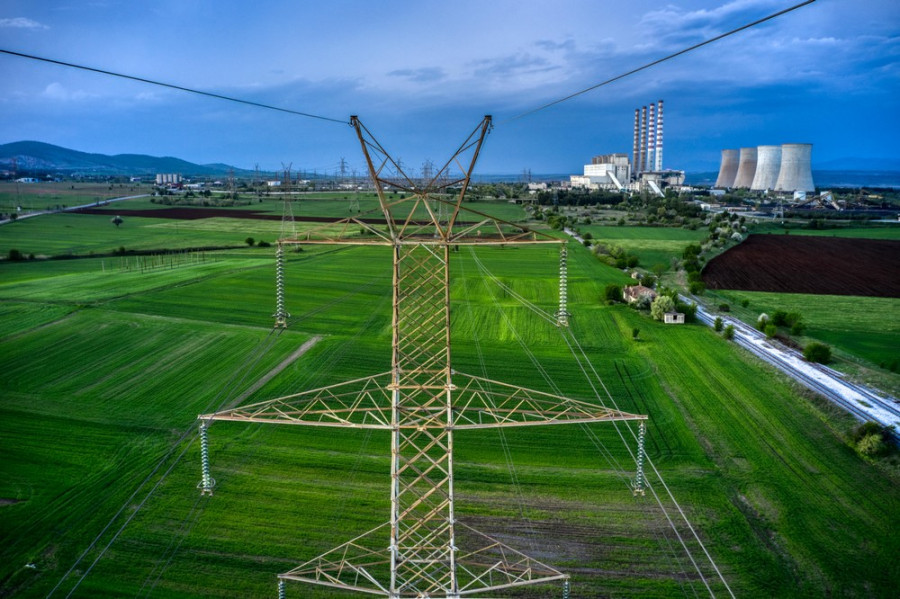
point(785, 168)
point(168, 179)
point(609, 171)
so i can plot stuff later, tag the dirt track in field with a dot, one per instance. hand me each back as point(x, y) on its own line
point(816, 265)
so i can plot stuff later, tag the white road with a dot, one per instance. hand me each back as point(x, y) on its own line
point(863, 402)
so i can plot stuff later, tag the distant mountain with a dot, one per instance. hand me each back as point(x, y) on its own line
point(39, 156)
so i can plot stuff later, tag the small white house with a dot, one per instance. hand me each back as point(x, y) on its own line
point(673, 318)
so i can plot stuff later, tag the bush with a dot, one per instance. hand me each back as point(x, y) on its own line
point(718, 324)
point(728, 333)
point(635, 332)
point(771, 330)
point(697, 288)
point(15, 255)
point(250, 241)
point(612, 293)
point(745, 302)
point(762, 322)
point(263, 244)
point(871, 445)
point(817, 352)
point(724, 308)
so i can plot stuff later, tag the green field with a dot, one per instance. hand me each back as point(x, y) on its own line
point(105, 367)
point(652, 245)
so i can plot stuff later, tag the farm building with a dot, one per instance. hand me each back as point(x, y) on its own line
point(673, 318)
point(635, 293)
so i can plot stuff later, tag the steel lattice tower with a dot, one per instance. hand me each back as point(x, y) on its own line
point(422, 401)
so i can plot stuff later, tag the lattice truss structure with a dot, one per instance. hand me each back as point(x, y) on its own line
point(422, 551)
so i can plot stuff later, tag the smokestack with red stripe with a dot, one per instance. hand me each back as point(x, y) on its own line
point(637, 141)
point(642, 164)
point(659, 137)
point(651, 136)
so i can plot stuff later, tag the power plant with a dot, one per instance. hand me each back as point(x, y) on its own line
point(645, 171)
point(786, 168)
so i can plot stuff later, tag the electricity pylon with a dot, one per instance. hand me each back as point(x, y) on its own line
point(420, 552)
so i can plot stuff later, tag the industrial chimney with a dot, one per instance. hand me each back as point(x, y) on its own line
point(642, 165)
point(659, 137)
point(651, 136)
point(728, 169)
point(746, 169)
point(796, 168)
point(768, 165)
point(637, 141)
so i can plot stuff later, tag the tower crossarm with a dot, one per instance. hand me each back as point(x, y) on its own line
point(484, 403)
point(477, 403)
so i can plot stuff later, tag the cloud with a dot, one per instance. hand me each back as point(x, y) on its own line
point(22, 23)
point(56, 91)
point(422, 75)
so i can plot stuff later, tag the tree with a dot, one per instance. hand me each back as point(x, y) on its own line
point(612, 293)
point(718, 324)
point(871, 445)
point(697, 288)
point(817, 352)
point(728, 333)
point(660, 306)
point(770, 331)
point(116, 220)
point(250, 241)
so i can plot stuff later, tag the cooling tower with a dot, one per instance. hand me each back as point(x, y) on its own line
point(796, 168)
point(746, 169)
point(768, 165)
point(728, 169)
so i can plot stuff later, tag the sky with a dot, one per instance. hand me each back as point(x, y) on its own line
point(421, 75)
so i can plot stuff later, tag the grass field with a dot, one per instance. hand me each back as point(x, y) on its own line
point(103, 372)
point(652, 245)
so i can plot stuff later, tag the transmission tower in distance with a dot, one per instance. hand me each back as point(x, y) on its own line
point(423, 550)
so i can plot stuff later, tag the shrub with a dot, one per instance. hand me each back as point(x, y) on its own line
point(697, 288)
point(635, 332)
point(745, 303)
point(250, 241)
point(263, 244)
point(871, 445)
point(817, 352)
point(728, 333)
point(771, 330)
point(718, 324)
point(15, 255)
point(724, 308)
point(762, 321)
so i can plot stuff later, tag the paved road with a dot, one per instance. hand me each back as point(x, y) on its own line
point(863, 402)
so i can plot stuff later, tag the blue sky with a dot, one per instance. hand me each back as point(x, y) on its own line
point(421, 74)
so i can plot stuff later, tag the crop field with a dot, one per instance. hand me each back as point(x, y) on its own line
point(105, 370)
point(813, 265)
point(652, 245)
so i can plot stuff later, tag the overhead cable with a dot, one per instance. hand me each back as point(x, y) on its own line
point(173, 86)
point(658, 61)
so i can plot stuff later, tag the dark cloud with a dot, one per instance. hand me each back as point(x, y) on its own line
point(422, 75)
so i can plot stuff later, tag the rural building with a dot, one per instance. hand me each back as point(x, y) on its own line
point(636, 293)
point(673, 318)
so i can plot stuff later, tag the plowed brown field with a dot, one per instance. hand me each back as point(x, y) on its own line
point(820, 265)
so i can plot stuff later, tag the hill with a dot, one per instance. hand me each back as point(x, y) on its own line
point(40, 156)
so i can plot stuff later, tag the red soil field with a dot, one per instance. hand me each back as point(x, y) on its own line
point(817, 265)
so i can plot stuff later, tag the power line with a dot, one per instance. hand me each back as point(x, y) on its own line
point(658, 61)
point(173, 86)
